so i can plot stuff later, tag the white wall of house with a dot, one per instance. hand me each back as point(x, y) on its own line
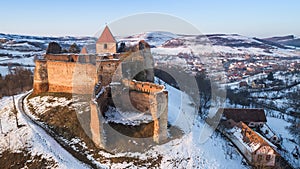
point(256, 124)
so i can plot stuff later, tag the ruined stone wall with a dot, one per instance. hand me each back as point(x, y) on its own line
point(150, 98)
point(146, 87)
point(138, 65)
point(134, 95)
point(81, 58)
point(111, 48)
point(159, 112)
point(62, 57)
point(40, 77)
point(71, 77)
point(96, 125)
point(140, 101)
point(141, 97)
point(87, 58)
point(107, 69)
point(73, 73)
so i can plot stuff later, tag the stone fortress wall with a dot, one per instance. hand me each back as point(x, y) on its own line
point(146, 87)
point(98, 75)
point(71, 77)
point(40, 84)
point(151, 98)
point(64, 76)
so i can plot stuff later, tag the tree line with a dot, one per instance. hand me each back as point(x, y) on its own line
point(17, 81)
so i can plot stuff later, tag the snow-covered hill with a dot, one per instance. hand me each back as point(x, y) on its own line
point(155, 38)
point(20, 50)
point(224, 44)
point(289, 40)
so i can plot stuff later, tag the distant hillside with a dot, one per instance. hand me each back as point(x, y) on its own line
point(23, 43)
point(22, 49)
point(289, 40)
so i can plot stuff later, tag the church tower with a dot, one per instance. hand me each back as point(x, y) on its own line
point(106, 42)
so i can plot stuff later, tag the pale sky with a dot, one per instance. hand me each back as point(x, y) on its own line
point(261, 18)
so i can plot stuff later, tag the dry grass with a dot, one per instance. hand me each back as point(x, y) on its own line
point(20, 159)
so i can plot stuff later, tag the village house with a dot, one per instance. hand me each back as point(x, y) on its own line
point(253, 147)
point(253, 118)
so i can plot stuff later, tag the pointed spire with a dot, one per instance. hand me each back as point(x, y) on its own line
point(84, 50)
point(106, 36)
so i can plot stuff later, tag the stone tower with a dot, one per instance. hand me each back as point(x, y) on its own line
point(106, 42)
point(40, 77)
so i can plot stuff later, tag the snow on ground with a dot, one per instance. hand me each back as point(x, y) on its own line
point(192, 44)
point(170, 60)
point(23, 61)
point(31, 136)
point(44, 103)
point(127, 118)
point(170, 51)
point(279, 124)
point(4, 70)
point(19, 53)
point(184, 152)
point(188, 151)
point(280, 127)
point(155, 38)
point(239, 37)
point(237, 133)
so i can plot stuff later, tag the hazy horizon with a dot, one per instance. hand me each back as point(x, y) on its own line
point(86, 18)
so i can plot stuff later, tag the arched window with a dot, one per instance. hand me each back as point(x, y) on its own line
point(105, 46)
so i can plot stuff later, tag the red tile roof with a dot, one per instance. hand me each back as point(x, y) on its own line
point(250, 137)
point(106, 36)
point(244, 115)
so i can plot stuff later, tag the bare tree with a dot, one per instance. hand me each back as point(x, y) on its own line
point(15, 112)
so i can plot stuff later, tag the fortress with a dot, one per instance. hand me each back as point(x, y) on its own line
point(123, 80)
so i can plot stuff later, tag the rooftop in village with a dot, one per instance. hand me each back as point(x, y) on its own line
point(248, 137)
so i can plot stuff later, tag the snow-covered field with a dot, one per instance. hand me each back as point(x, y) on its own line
point(31, 137)
point(155, 38)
